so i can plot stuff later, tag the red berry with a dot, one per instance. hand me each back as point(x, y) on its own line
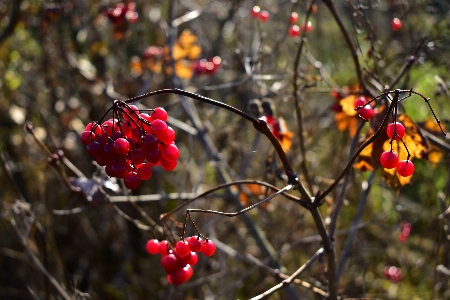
point(87, 137)
point(360, 101)
point(264, 16)
point(182, 248)
point(255, 11)
point(396, 24)
point(144, 171)
point(94, 149)
point(294, 31)
point(191, 259)
point(184, 274)
point(389, 159)
point(137, 156)
point(170, 152)
point(405, 168)
point(195, 243)
point(149, 142)
point(121, 146)
point(132, 180)
point(366, 112)
point(162, 247)
point(159, 113)
point(130, 112)
point(169, 262)
point(158, 128)
point(152, 246)
point(307, 27)
point(169, 137)
point(293, 18)
point(208, 248)
point(168, 164)
point(396, 129)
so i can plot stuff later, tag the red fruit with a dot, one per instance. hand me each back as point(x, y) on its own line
point(169, 137)
point(396, 24)
point(182, 248)
point(396, 129)
point(402, 238)
point(389, 159)
point(169, 262)
point(293, 18)
point(94, 149)
point(132, 180)
point(153, 157)
point(121, 146)
point(137, 156)
point(149, 142)
point(405, 168)
point(152, 246)
point(184, 274)
point(87, 137)
point(191, 259)
point(162, 247)
point(208, 248)
point(360, 101)
point(255, 11)
point(264, 16)
point(307, 27)
point(195, 243)
point(366, 112)
point(144, 171)
point(130, 112)
point(170, 152)
point(158, 128)
point(110, 126)
point(168, 164)
point(294, 31)
point(159, 113)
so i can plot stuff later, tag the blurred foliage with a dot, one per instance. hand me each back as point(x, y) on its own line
point(63, 63)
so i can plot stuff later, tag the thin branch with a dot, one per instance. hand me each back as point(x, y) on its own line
point(292, 277)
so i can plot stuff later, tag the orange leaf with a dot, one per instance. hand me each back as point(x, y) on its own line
point(253, 190)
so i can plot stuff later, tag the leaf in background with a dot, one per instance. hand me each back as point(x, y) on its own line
point(253, 190)
point(346, 118)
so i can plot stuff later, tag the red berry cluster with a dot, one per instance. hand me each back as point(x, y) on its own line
point(178, 262)
point(294, 30)
point(210, 67)
point(257, 13)
point(392, 273)
point(406, 230)
point(365, 110)
point(120, 12)
point(129, 148)
point(389, 159)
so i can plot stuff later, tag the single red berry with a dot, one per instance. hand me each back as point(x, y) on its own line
point(294, 31)
point(255, 11)
point(121, 146)
point(184, 274)
point(264, 16)
point(307, 27)
point(293, 18)
point(137, 156)
point(366, 112)
point(87, 137)
point(158, 128)
point(152, 246)
point(396, 129)
point(94, 149)
point(168, 164)
point(386, 272)
point(182, 248)
point(389, 159)
point(191, 259)
point(169, 262)
point(360, 101)
point(159, 113)
point(170, 152)
point(169, 137)
point(405, 168)
point(208, 248)
point(153, 157)
point(163, 247)
point(132, 180)
point(144, 171)
point(149, 142)
point(130, 112)
point(195, 243)
point(396, 24)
